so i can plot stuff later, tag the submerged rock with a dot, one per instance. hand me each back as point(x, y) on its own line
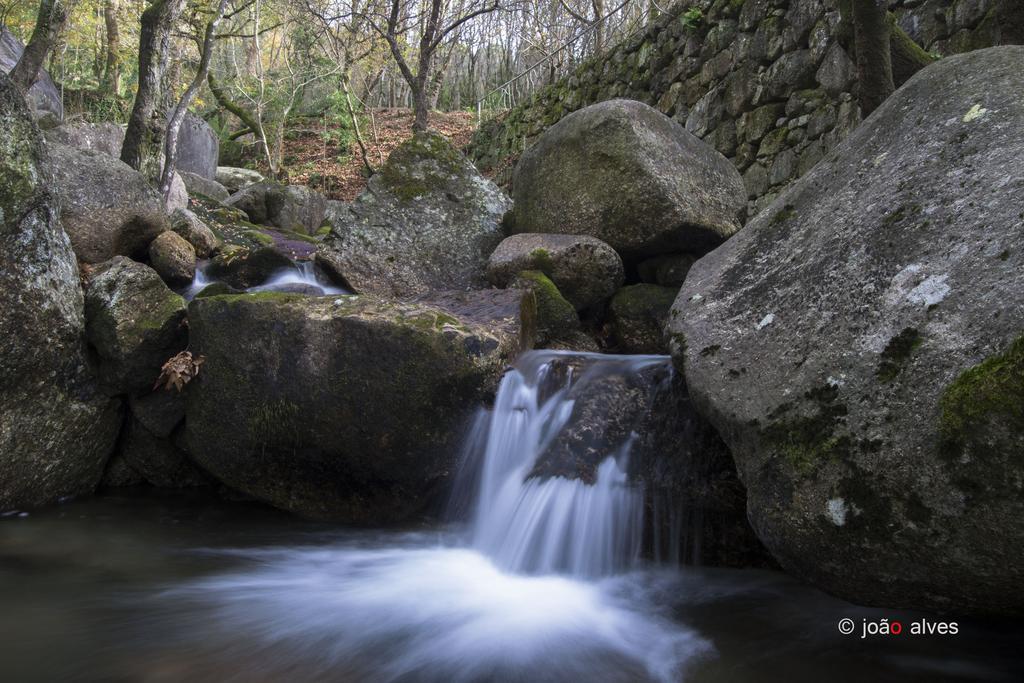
point(626, 174)
point(427, 221)
point(56, 429)
point(859, 346)
point(134, 322)
point(345, 407)
point(586, 270)
point(637, 316)
point(107, 207)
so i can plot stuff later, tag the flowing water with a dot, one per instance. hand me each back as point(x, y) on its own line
point(543, 581)
point(302, 278)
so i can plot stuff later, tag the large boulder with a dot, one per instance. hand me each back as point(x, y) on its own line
point(56, 429)
point(586, 270)
point(427, 221)
point(106, 137)
point(345, 407)
point(134, 322)
point(290, 207)
point(627, 174)
point(198, 147)
point(107, 207)
point(859, 346)
point(44, 96)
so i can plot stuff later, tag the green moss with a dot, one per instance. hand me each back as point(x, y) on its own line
point(896, 354)
point(256, 296)
point(259, 236)
point(556, 317)
point(423, 164)
point(989, 393)
point(540, 259)
point(807, 439)
point(782, 215)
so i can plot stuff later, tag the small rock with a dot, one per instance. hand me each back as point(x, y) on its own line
point(637, 316)
point(173, 258)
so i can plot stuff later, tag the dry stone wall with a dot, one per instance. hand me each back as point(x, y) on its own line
point(766, 82)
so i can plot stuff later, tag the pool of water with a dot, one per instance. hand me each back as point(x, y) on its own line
point(140, 587)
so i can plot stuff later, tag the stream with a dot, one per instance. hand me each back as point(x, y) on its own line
point(535, 580)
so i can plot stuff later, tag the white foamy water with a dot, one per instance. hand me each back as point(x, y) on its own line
point(545, 590)
point(302, 277)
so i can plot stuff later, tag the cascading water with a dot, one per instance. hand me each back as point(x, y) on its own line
point(301, 278)
point(541, 524)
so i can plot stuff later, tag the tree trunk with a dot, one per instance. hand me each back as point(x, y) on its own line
point(420, 107)
point(174, 123)
point(112, 69)
point(874, 62)
point(53, 15)
point(147, 123)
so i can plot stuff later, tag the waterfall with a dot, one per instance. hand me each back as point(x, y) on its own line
point(301, 278)
point(531, 522)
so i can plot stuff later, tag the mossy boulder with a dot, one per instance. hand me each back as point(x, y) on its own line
point(345, 407)
point(134, 322)
point(428, 220)
point(173, 258)
point(556, 318)
point(235, 179)
point(637, 315)
point(586, 270)
point(625, 173)
point(107, 208)
point(203, 240)
point(858, 345)
point(290, 207)
point(199, 185)
point(56, 428)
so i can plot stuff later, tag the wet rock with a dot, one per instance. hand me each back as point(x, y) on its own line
point(427, 221)
point(245, 268)
point(159, 411)
point(134, 322)
point(586, 270)
point(858, 345)
point(158, 460)
point(626, 174)
point(173, 258)
point(556, 317)
point(56, 429)
point(107, 208)
point(119, 474)
point(637, 315)
point(345, 407)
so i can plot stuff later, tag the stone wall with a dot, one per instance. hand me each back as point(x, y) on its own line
point(766, 82)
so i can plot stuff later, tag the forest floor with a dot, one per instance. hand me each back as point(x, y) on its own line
point(326, 157)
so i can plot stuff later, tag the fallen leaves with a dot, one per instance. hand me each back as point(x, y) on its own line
point(178, 371)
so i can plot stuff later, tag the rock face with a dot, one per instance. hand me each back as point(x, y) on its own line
point(427, 221)
point(637, 316)
point(134, 322)
point(106, 137)
point(56, 430)
point(625, 173)
point(107, 208)
point(859, 347)
point(158, 460)
point(344, 407)
point(586, 270)
point(198, 147)
point(43, 97)
point(290, 207)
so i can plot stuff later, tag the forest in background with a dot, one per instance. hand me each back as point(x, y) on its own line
point(286, 76)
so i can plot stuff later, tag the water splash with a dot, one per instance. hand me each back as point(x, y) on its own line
point(529, 523)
